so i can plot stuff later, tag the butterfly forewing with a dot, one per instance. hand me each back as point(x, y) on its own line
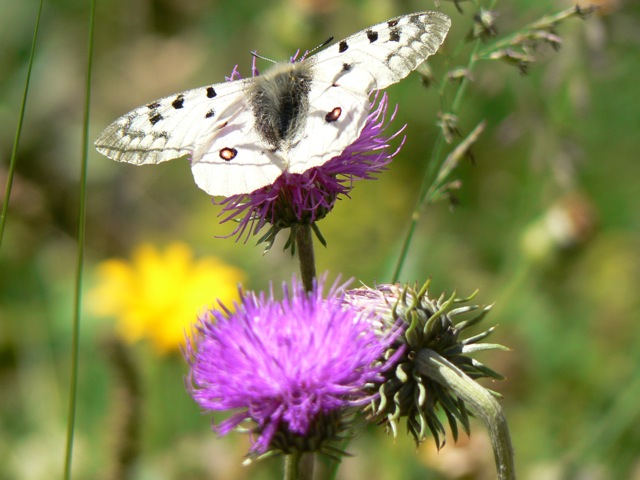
point(385, 53)
point(172, 126)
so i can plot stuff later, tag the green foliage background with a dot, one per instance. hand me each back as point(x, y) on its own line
point(566, 134)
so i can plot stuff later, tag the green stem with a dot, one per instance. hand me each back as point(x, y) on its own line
point(304, 244)
point(544, 23)
point(125, 411)
point(16, 141)
point(478, 400)
point(298, 466)
point(77, 304)
point(429, 183)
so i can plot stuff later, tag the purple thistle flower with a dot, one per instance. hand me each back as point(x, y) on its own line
point(294, 367)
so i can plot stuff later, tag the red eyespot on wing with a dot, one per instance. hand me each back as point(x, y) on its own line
point(228, 154)
point(333, 115)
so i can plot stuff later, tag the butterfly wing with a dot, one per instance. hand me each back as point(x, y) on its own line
point(170, 127)
point(345, 73)
point(236, 160)
point(321, 139)
point(383, 54)
point(214, 125)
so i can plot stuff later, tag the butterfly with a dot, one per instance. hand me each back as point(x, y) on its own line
point(242, 135)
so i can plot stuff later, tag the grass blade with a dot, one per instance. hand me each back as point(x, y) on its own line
point(16, 141)
point(73, 385)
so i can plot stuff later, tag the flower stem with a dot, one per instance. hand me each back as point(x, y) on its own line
point(126, 410)
point(429, 184)
point(298, 466)
point(478, 400)
point(304, 244)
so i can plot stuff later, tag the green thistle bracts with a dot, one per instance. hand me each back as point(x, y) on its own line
point(408, 390)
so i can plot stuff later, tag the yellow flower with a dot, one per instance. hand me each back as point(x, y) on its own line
point(158, 295)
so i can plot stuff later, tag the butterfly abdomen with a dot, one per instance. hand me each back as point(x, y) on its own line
point(280, 102)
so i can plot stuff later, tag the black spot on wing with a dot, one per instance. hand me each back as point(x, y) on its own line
point(333, 115)
point(392, 23)
point(416, 19)
point(343, 46)
point(126, 129)
point(178, 102)
point(158, 135)
point(346, 67)
point(394, 35)
point(372, 36)
point(211, 92)
point(153, 106)
point(210, 113)
point(228, 154)
point(155, 118)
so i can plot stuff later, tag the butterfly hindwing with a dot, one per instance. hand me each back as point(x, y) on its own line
point(336, 118)
point(236, 160)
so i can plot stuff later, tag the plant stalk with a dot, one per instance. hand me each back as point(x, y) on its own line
point(478, 400)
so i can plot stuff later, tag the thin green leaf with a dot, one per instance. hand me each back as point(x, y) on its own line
point(73, 385)
point(16, 140)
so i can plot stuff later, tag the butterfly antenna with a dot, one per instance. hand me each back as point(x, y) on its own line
point(255, 55)
point(309, 52)
point(323, 44)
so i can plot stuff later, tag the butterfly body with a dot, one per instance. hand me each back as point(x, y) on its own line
point(280, 103)
point(241, 135)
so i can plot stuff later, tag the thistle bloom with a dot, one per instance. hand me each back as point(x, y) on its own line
point(293, 367)
point(154, 296)
point(307, 197)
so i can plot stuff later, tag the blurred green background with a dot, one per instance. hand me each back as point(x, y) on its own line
point(546, 224)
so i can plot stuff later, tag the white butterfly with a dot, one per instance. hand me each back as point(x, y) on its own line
point(242, 135)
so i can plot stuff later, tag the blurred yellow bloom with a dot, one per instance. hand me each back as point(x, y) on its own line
point(158, 295)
